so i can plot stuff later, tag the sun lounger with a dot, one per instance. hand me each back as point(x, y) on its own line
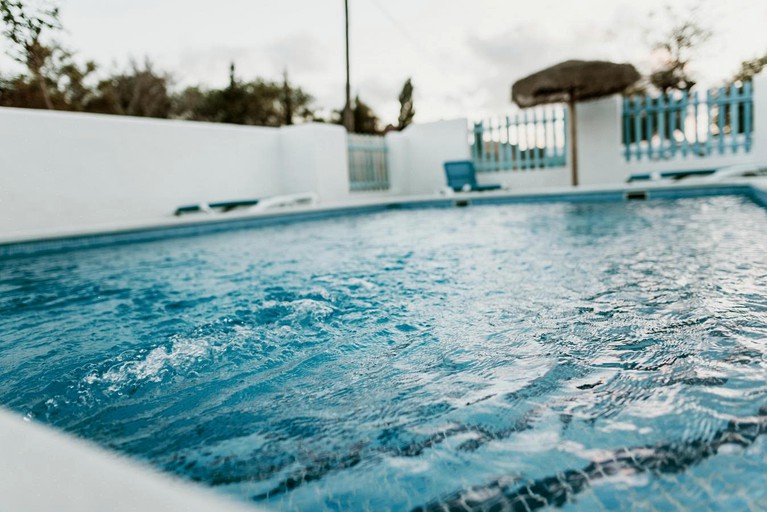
point(461, 177)
point(250, 205)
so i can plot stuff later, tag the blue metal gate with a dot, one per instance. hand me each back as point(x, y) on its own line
point(685, 124)
point(533, 139)
point(368, 168)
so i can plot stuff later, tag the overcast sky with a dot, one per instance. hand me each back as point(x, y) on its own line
point(462, 55)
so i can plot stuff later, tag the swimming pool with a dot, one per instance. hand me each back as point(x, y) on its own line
point(592, 354)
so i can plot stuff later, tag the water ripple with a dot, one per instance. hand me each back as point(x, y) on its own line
point(590, 355)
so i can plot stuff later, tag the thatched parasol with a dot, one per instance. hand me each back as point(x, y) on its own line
point(572, 81)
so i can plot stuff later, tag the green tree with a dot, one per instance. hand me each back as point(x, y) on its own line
point(677, 47)
point(71, 84)
point(406, 107)
point(287, 100)
point(138, 91)
point(24, 28)
point(260, 102)
point(365, 119)
point(68, 85)
point(750, 68)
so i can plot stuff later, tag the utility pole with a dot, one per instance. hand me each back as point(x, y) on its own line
point(348, 115)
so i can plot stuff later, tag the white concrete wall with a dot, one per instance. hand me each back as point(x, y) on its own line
point(416, 155)
point(759, 152)
point(65, 170)
point(528, 179)
point(315, 159)
point(600, 156)
point(397, 155)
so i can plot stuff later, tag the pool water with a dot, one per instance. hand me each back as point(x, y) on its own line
point(486, 358)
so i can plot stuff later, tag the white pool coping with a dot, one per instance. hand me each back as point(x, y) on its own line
point(42, 469)
point(363, 202)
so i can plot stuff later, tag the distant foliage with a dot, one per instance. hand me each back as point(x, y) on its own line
point(139, 91)
point(24, 28)
point(406, 106)
point(55, 79)
point(365, 119)
point(260, 103)
point(62, 84)
point(677, 47)
point(750, 68)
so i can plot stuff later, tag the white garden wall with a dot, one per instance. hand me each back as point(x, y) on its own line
point(416, 155)
point(314, 159)
point(64, 170)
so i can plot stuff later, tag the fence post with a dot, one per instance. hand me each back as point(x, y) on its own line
point(759, 114)
point(601, 160)
point(747, 114)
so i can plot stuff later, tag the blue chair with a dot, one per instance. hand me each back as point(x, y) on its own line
point(461, 177)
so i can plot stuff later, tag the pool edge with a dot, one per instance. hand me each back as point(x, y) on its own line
point(80, 476)
point(166, 228)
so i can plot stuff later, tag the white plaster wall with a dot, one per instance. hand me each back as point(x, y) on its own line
point(63, 169)
point(416, 155)
point(314, 158)
point(759, 153)
point(600, 157)
point(398, 149)
point(528, 179)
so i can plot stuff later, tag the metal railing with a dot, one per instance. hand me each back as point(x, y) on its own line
point(685, 124)
point(533, 139)
point(368, 168)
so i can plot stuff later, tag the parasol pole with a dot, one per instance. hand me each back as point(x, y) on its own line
point(348, 115)
point(573, 138)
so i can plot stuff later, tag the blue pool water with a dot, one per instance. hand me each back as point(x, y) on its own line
point(591, 355)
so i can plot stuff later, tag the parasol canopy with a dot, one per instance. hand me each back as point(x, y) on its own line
point(572, 81)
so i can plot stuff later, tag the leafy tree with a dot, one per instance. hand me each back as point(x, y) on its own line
point(20, 92)
point(260, 103)
point(25, 28)
point(68, 85)
point(677, 46)
point(139, 91)
point(287, 100)
point(188, 103)
point(365, 120)
point(249, 103)
point(406, 107)
point(750, 68)
point(296, 104)
point(55, 80)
